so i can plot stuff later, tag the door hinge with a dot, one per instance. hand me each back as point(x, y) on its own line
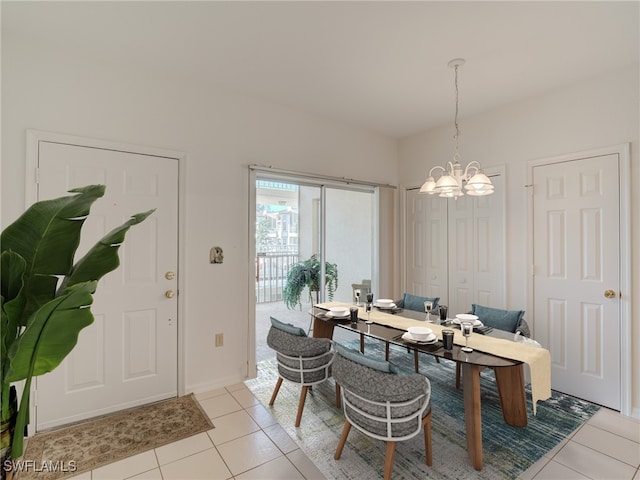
point(37, 175)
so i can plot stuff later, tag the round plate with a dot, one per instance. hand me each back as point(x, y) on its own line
point(430, 339)
point(385, 307)
point(476, 323)
point(333, 315)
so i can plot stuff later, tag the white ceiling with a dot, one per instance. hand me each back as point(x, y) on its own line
point(378, 65)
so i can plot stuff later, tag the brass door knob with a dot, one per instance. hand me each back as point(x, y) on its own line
point(169, 275)
point(169, 293)
point(610, 294)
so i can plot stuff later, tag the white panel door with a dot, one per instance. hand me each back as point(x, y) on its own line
point(426, 245)
point(477, 250)
point(128, 356)
point(576, 259)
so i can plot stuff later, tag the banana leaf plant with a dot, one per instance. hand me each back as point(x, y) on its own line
point(46, 297)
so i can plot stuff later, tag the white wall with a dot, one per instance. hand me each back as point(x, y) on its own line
point(220, 131)
point(597, 113)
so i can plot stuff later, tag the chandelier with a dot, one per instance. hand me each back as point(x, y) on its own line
point(454, 181)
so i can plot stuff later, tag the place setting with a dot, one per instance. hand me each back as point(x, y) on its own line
point(387, 305)
point(338, 313)
point(473, 320)
point(419, 336)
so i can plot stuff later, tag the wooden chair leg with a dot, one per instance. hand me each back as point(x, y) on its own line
point(343, 439)
point(362, 343)
point(426, 421)
point(303, 397)
point(275, 391)
point(457, 376)
point(338, 399)
point(386, 351)
point(388, 460)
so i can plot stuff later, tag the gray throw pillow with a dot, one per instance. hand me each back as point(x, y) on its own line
point(416, 303)
point(358, 357)
point(287, 327)
point(501, 319)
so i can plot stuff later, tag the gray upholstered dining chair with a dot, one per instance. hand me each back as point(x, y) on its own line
point(382, 402)
point(301, 359)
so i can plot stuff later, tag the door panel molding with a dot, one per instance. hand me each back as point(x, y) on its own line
point(623, 153)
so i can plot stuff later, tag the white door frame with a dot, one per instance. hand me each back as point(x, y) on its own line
point(34, 137)
point(622, 151)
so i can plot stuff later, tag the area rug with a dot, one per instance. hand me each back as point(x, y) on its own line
point(507, 451)
point(89, 445)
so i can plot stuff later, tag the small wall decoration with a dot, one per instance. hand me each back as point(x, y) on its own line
point(216, 256)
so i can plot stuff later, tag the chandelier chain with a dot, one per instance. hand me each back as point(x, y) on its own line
point(457, 134)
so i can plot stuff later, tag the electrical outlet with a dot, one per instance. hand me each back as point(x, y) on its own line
point(219, 339)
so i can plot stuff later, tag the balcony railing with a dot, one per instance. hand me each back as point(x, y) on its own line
point(271, 275)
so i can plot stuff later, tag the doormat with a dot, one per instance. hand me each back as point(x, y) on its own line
point(507, 451)
point(68, 451)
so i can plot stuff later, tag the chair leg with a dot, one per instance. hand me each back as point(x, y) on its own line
point(426, 421)
point(275, 391)
point(343, 439)
point(338, 399)
point(457, 376)
point(415, 361)
point(388, 460)
point(303, 397)
point(386, 351)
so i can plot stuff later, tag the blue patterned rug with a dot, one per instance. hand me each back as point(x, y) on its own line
point(507, 451)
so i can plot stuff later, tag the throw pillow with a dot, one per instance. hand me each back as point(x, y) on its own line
point(287, 327)
point(358, 357)
point(416, 303)
point(501, 319)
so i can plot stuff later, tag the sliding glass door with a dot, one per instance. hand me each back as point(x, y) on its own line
point(300, 221)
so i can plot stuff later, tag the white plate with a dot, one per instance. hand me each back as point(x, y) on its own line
point(430, 339)
point(476, 323)
point(333, 315)
point(385, 307)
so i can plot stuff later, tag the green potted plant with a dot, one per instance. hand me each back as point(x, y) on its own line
point(306, 274)
point(45, 296)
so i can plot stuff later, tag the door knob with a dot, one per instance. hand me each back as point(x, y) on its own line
point(169, 293)
point(169, 275)
point(610, 294)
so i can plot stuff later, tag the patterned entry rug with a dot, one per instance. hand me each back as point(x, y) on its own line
point(507, 451)
point(88, 445)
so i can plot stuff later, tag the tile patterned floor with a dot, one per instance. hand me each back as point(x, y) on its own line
point(248, 443)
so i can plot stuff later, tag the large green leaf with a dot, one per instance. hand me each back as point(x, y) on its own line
point(47, 236)
point(51, 334)
point(12, 268)
point(103, 256)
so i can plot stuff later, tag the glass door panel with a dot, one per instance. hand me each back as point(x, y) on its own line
point(349, 239)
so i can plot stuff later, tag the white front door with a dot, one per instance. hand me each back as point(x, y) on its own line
point(128, 356)
point(576, 258)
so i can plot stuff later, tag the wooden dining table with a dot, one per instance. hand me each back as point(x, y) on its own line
point(509, 373)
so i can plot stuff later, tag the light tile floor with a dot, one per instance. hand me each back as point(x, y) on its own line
point(248, 443)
